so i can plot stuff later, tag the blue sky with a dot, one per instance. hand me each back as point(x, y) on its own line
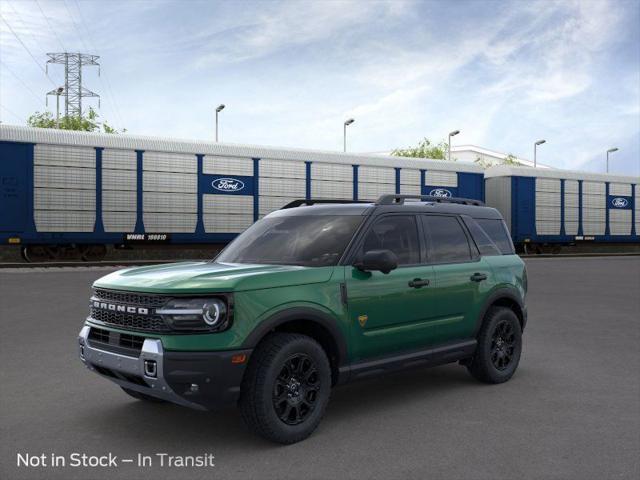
point(504, 73)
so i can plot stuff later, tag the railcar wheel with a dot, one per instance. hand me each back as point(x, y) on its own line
point(93, 253)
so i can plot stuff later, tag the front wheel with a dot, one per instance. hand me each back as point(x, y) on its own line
point(499, 347)
point(286, 388)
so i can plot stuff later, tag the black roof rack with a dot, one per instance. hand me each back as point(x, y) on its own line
point(399, 199)
point(314, 201)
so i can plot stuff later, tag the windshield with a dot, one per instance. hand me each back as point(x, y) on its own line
point(313, 241)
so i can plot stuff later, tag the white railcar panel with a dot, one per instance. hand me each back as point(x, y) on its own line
point(331, 171)
point(227, 204)
point(119, 159)
point(331, 189)
point(571, 186)
point(282, 169)
point(547, 213)
point(441, 179)
point(163, 202)
point(571, 200)
point(409, 176)
point(548, 199)
point(593, 228)
point(547, 185)
point(169, 222)
point(571, 228)
point(620, 222)
point(64, 221)
point(620, 189)
point(169, 182)
point(371, 191)
point(594, 214)
point(548, 227)
point(377, 175)
point(594, 201)
point(64, 199)
point(64, 177)
point(118, 201)
point(169, 162)
point(571, 214)
point(283, 187)
point(213, 164)
point(410, 189)
point(592, 188)
point(214, 223)
point(119, 180)
point(119, 221)
point(64, 156)
point(270, 204)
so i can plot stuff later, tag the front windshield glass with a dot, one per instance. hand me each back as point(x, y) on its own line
point(313, 241)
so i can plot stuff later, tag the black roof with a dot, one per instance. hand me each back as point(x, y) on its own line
point(472, 208)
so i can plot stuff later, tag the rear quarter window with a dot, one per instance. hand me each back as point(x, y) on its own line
point(497, 231)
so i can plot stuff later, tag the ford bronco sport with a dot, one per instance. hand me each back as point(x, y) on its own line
point(313, 295)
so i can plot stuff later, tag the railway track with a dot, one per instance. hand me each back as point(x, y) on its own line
point(133, 263)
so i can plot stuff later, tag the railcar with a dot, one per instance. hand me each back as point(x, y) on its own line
point(65, 190)
point(547, 209)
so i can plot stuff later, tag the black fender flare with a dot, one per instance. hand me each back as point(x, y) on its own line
point(499, 294)
point(300, 313)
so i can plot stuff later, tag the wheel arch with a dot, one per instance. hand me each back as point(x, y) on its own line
point(503, 297)
point(318, 325)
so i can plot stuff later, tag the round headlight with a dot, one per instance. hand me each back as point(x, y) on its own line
point(213, 312)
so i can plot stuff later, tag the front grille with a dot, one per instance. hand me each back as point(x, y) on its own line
point(131, 341)
point(123, 343)
point(99, 335)
point(132, 321)
point(130, 298)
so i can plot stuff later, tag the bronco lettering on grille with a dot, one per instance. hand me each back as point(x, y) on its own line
point(120, 308)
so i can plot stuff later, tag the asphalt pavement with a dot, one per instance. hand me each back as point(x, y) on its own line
point(571, 411)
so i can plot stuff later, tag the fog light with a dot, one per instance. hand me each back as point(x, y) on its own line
point(82, 352)
point(150, 368)
point(194, 388)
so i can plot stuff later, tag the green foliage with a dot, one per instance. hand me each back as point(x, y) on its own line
point(510, 159)
point(425, 149)
point(88, 123)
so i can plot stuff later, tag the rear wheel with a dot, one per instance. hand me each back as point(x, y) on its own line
point(141, 396)
point(286, 388)
point(499, 347)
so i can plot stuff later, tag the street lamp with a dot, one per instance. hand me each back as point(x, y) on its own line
point(344, 136)
point(611, 150)
point(59, 91)
point(535, 152)
point(218, 110)
point(452, 134)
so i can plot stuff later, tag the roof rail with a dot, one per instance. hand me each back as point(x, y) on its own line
point(399, 199)
point(314, 201)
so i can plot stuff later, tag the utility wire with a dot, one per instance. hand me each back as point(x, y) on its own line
point(12, 113)
point(75, 26)
point(28, 51)
point(50, 27)
point(35, 95)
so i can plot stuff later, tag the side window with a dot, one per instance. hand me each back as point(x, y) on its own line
point(486, 246)
point(498, 233)
point(396, 233)
point(447, 240)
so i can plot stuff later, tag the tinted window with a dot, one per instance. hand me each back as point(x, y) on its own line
point(498, 233)
point(314, 241)
point(398, 234)
point(481, 239)
point(446, 239)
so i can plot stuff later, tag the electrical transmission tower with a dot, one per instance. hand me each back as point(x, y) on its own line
point(73, 91)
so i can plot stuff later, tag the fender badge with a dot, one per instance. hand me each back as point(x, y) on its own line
point(362, 319)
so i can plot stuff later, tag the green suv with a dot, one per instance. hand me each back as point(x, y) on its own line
point(314, 295)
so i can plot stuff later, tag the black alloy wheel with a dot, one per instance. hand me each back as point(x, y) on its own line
point(502, 345)
point(296, 389)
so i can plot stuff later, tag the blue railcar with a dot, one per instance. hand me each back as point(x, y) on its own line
point(549, 208)
point(85, 191)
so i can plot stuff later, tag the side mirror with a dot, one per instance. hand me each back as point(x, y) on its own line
point(381, 260)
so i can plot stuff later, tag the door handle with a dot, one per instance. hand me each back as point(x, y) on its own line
point(478, 277)
point(418, 282)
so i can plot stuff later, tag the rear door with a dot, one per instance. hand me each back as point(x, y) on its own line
point(14, 165)
point(462, 277)
point(390, 312)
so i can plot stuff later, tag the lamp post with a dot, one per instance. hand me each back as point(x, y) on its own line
point(59, 91)
point(535, 152)
point(611, 150)
point(344, 136)
point(218, 110)
point(451, 134)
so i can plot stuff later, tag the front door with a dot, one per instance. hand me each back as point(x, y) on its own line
point(390, 312)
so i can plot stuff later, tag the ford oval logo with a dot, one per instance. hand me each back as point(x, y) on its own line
point(440, 192)
point(619, 202)
point(228, 184)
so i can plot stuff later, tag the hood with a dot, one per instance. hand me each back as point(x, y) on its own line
point(206, 277)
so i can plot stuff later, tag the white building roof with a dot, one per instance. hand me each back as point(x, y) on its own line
point(477, 151)
point(510, 171)
point(136, 142)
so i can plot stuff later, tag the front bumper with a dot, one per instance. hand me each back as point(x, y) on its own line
point(199, 380)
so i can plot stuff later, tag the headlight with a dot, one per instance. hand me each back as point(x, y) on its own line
point(195, 314)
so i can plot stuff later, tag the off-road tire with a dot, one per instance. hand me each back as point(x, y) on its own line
point(141, 396)
point(261, 400)
point(488, 364)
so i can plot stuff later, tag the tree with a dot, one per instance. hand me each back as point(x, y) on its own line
point(88, 123)
point(425, 149)
point(510, 159)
